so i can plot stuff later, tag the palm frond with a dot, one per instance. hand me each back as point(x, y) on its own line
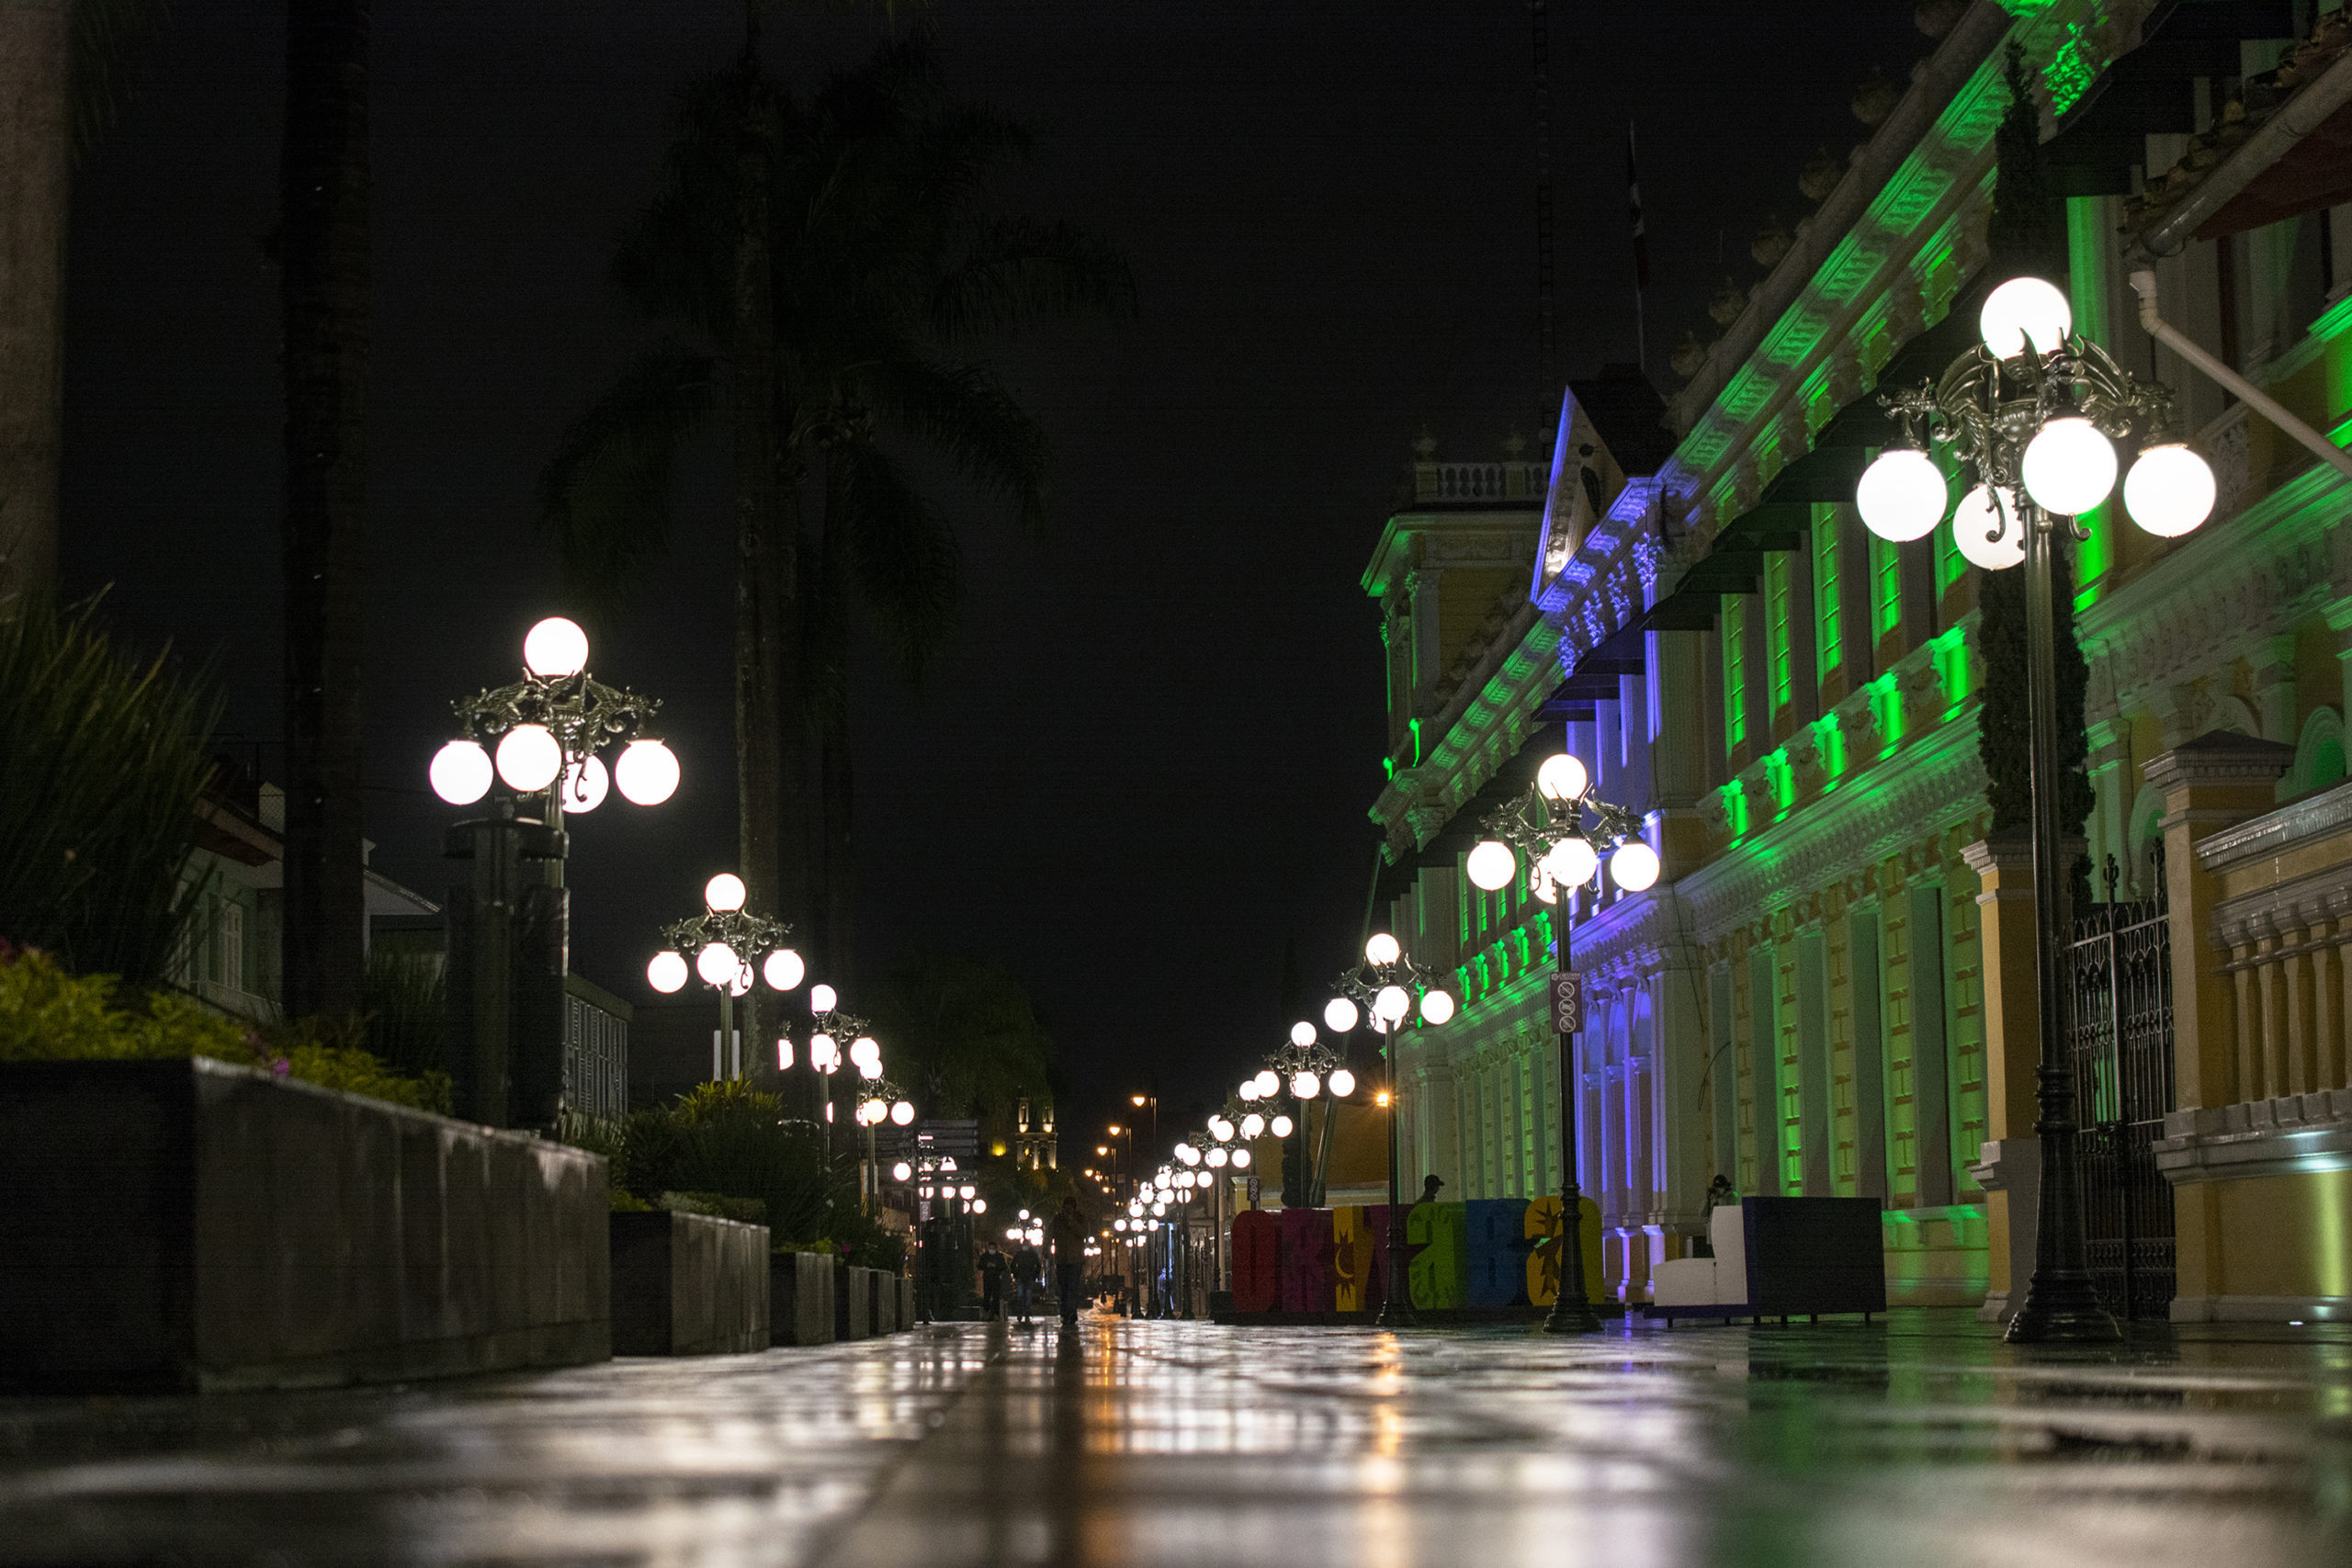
point(1014, 270)
point(901, 554)
point(966, 414)
point(606, 494)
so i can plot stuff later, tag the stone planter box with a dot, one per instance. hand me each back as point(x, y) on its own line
point(187, 1225)
point(883, 1291)
point(853, 1303)
point(906, 1303)
point(800, 1299)
point(688, 1285)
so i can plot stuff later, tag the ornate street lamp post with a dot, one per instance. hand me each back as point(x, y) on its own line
point(2032, 414)
point(541, 737)
point(1381, 989)
point(1564, 852)
point(727, 943)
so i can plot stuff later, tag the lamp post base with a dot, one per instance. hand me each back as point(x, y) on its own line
point(1395, 1314)
point(1572, 1317)
point(2062, 1310)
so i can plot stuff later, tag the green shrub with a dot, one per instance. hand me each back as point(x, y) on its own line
point(101, 764)
point(405, 997)
point(48, 1015)
point(724, 1140)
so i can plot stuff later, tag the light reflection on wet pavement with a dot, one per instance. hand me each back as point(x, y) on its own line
point(1925, 1441)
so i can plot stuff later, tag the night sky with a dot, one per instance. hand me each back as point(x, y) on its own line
point(1145, 764)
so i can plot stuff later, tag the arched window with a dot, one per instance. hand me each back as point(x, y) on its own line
point(2319, 755)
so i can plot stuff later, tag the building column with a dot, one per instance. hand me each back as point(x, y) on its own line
point(2208, 784)
point(2009, 1165)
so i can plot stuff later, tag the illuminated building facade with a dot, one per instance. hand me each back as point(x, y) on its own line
point(1831, 990)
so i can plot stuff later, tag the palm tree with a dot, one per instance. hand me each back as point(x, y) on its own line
point(866, 207)
point(323, 282)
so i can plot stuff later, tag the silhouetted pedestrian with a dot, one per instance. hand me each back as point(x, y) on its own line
point(993, 1269)
point(1027, 1269)
point(1068, 1237)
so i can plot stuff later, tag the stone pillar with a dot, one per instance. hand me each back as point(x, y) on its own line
point(2208, 784)
point(2009, 1166)
point(1680, 1107)
point(1679, 749)
point(2274, 688)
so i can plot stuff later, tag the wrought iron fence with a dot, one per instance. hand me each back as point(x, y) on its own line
point(2120, 1042)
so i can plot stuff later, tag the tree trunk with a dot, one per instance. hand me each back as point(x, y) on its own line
point(36, 160)
point(323, 242)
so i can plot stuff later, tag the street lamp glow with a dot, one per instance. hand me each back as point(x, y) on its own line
point(1339, 1015)
point(718, 964)
point(645, 773)
point(2169, 490)
point(1437, 1007)
point(980, 1206)
point(585, 784)
point(783, 1053)
point(1344, 1082)
point(667, 973)
point(1242, 1159)
point(903, 1114)
point(1635, 866)
point(783, 969)
point(823, 1054)
point(723, 894)
point(869, 1070)
point(1391, 1004)
point(1382, 949)
point(872, 1111)
point(1252, 1124)
point(555, 648)
point(461, 772)
point(1989, 527)
point(864, 1052)
point(2024, 310)
point(528, 758)
point(1158, 1209)
point(1267, 1082)
point(1902, 495)
point(901, 1170)
point(2069, 467)
point(1248, 1090)
point(1305, 1085)
point(823, 998)
point(1221, 1129)
point(1281, 1126)
point(1491, 865)
point(1218, 1155)
point(1572, 862)
point(1190, 1155)
point(1562, 777)
point(1302, 1034)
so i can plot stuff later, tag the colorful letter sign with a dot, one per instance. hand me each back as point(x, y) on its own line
point(1490, 1253)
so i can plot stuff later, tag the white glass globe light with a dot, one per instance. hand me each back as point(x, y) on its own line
point(823, 1054)
point(718, 964)
point(1248, 1090)
point(783, 1053)
point(1302, 1034)
point(645, 773)
point(2023, 310)
point(667, 973)
point(1158, 1209)
point(1339, 1015)
point(1392, 1003)
point(1267, 1082)
point(1540, 883)
point(461, 772)
point(1437, 1007)
point(1188, 1154)
point(1218, 1157)
point(1305, 1085)
point(584, 787)
point(1252, 1124)
point(980, 1206)
point(869, 1070)
point(1491, 865)
point(554, 648)
point(964, 1193)
point(1989, 527)
point(2169, 490)
point(741, 984)
point(1635, 866)
point(1221, 1128)
point(1902, 495)
point(865, 1050)
point(723, 893)
point(783, 969)
point(874, 1110)
point(2069, 467)
point(1572, 862)
point(1562, 777)
point(1382, 949)
point(903, 1114)
point(1281, 1126)
point(823, 998)
point(1344, 1082)
point(901, 1170)
point(528, 758)
point(1241, 1159)
point(1119, 1225)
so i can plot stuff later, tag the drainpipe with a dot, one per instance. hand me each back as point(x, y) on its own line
point(2145, 282)
point(2304, 114)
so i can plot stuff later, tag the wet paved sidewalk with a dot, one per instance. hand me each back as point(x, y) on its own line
point(1926, 1441)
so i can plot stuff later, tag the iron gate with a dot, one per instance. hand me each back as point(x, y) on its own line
point(2120, 1046)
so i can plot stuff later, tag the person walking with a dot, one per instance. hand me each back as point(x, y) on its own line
point(1027, 1269)
point(993, 1269)
point(1069, 1238)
